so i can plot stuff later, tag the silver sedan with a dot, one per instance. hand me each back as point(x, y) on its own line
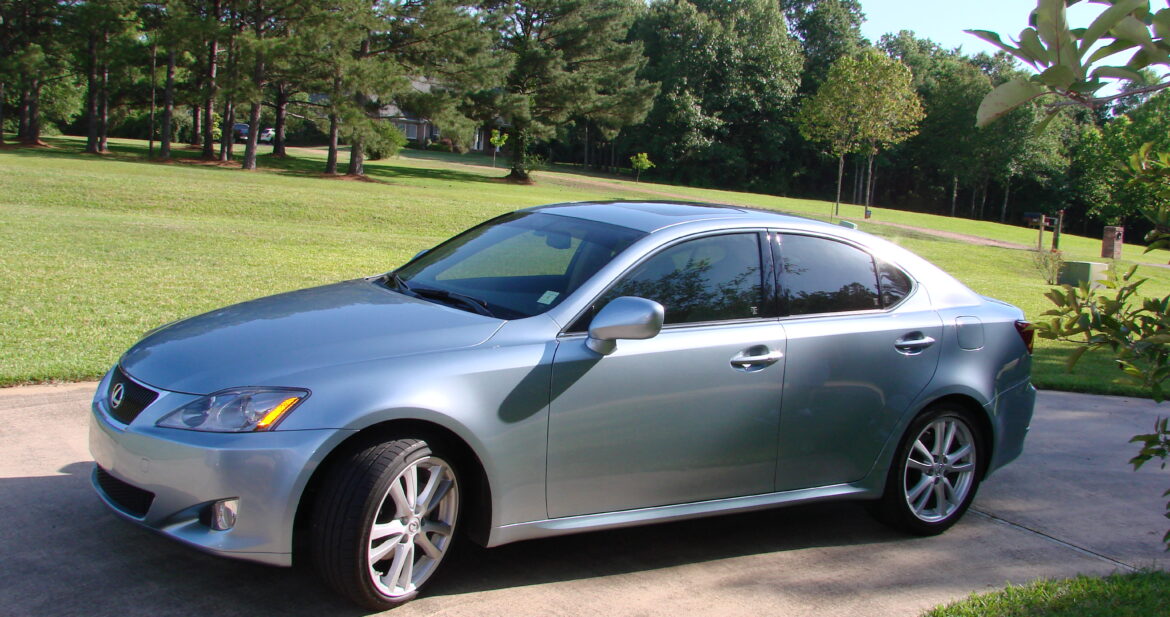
point(561, 369)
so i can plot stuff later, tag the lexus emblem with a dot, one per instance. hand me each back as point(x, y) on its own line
point(116, 395)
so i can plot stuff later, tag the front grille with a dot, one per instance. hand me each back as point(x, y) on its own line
point(134, 398)
point(129, 498)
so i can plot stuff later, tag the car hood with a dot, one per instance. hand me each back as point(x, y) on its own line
point(257, 343)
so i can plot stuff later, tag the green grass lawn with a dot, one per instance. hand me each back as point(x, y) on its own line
point(1141, 594)
point(98, 250)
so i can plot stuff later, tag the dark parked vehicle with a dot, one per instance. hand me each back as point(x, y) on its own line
point(240, 132)
point(562, 369)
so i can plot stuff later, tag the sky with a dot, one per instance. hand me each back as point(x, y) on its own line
point(943, 21)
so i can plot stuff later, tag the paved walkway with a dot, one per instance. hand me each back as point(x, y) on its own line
point(1070, 504)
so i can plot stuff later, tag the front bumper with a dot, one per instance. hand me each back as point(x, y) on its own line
point(166, 479)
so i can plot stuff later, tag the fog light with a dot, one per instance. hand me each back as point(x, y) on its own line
point(223, 514)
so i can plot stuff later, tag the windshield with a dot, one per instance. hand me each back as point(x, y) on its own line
point(513, 266)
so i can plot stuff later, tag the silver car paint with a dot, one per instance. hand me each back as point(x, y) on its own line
point(487, 381)
point(663, 421)
point(268, 338)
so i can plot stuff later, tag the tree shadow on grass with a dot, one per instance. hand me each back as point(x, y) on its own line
point(448, 175)
point(182, 154)
point(72, 149)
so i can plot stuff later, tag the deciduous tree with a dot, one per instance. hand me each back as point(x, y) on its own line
point(729, 74)
point(866, 104)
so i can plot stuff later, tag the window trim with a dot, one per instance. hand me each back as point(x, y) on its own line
point(769, 307)
point(777, 256)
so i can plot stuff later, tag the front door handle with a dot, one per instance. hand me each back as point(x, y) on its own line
point(913, 343)
point(757, 360)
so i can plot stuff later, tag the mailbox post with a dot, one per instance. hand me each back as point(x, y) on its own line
point(1112, 242)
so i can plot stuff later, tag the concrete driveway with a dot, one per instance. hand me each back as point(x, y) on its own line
point(1070, 505)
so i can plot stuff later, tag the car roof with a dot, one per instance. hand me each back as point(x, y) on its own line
point(685, 217)
point(650, 216)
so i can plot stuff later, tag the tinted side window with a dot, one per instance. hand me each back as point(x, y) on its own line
point(825, 276)
point(709, 279)
point(893, 283)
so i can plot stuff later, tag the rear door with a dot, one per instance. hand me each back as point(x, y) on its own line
point(863, 342)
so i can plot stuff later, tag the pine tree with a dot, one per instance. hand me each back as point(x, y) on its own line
point(568, 57)
point(35, 57)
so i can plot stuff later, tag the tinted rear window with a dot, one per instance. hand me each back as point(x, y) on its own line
point(818, 275)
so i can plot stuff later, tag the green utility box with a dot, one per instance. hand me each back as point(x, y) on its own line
point(1076, 272)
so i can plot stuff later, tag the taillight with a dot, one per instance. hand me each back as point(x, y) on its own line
point(1026, 333)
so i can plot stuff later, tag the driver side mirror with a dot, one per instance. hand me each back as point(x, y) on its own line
point(626, 317)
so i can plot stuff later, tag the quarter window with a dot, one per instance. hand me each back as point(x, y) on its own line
point(714, 278)
point(894, 284)
point(825, 276)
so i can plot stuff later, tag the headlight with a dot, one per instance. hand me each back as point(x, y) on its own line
point(237, 410)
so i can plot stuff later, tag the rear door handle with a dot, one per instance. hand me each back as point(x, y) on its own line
point(913, 343)
point(744, 362)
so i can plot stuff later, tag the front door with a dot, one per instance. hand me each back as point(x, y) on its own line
point(689, 415)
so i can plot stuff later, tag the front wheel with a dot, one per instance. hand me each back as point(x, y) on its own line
point(935, 473)
point(384, 520)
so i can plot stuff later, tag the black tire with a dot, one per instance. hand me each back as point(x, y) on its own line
point(368, 488)
point(926, 494)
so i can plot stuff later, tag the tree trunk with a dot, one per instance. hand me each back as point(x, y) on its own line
point(22, 114)
point(357, 154)
point(253, 137)
point(196, 129)
point(357, 158)
point(519, 171)
point(104, 111)
point(281, 118)
point(869, 181)
point(164, 145)
point(91, 97)
point(212, 90)
point(331, 161)
point(227, 131)
point(254, 116)
point(153, 90)
point(2, 112)
point(34, 115)
point(954, 192)
point(858, 177)
point(840, 176)
point(983, 199)
point(585, 157)
point(974, 194)
point(1007, 187)
point(32, 104)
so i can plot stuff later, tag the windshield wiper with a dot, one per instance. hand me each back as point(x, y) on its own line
point(451, 297)
point(475, 304)
point(396, 281)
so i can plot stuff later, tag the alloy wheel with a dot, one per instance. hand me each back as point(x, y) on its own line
point(413, 528)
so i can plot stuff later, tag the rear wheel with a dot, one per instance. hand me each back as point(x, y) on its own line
point(935, 473)
point(384, 521)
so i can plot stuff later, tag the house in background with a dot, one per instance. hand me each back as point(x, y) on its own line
point(420, 131)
